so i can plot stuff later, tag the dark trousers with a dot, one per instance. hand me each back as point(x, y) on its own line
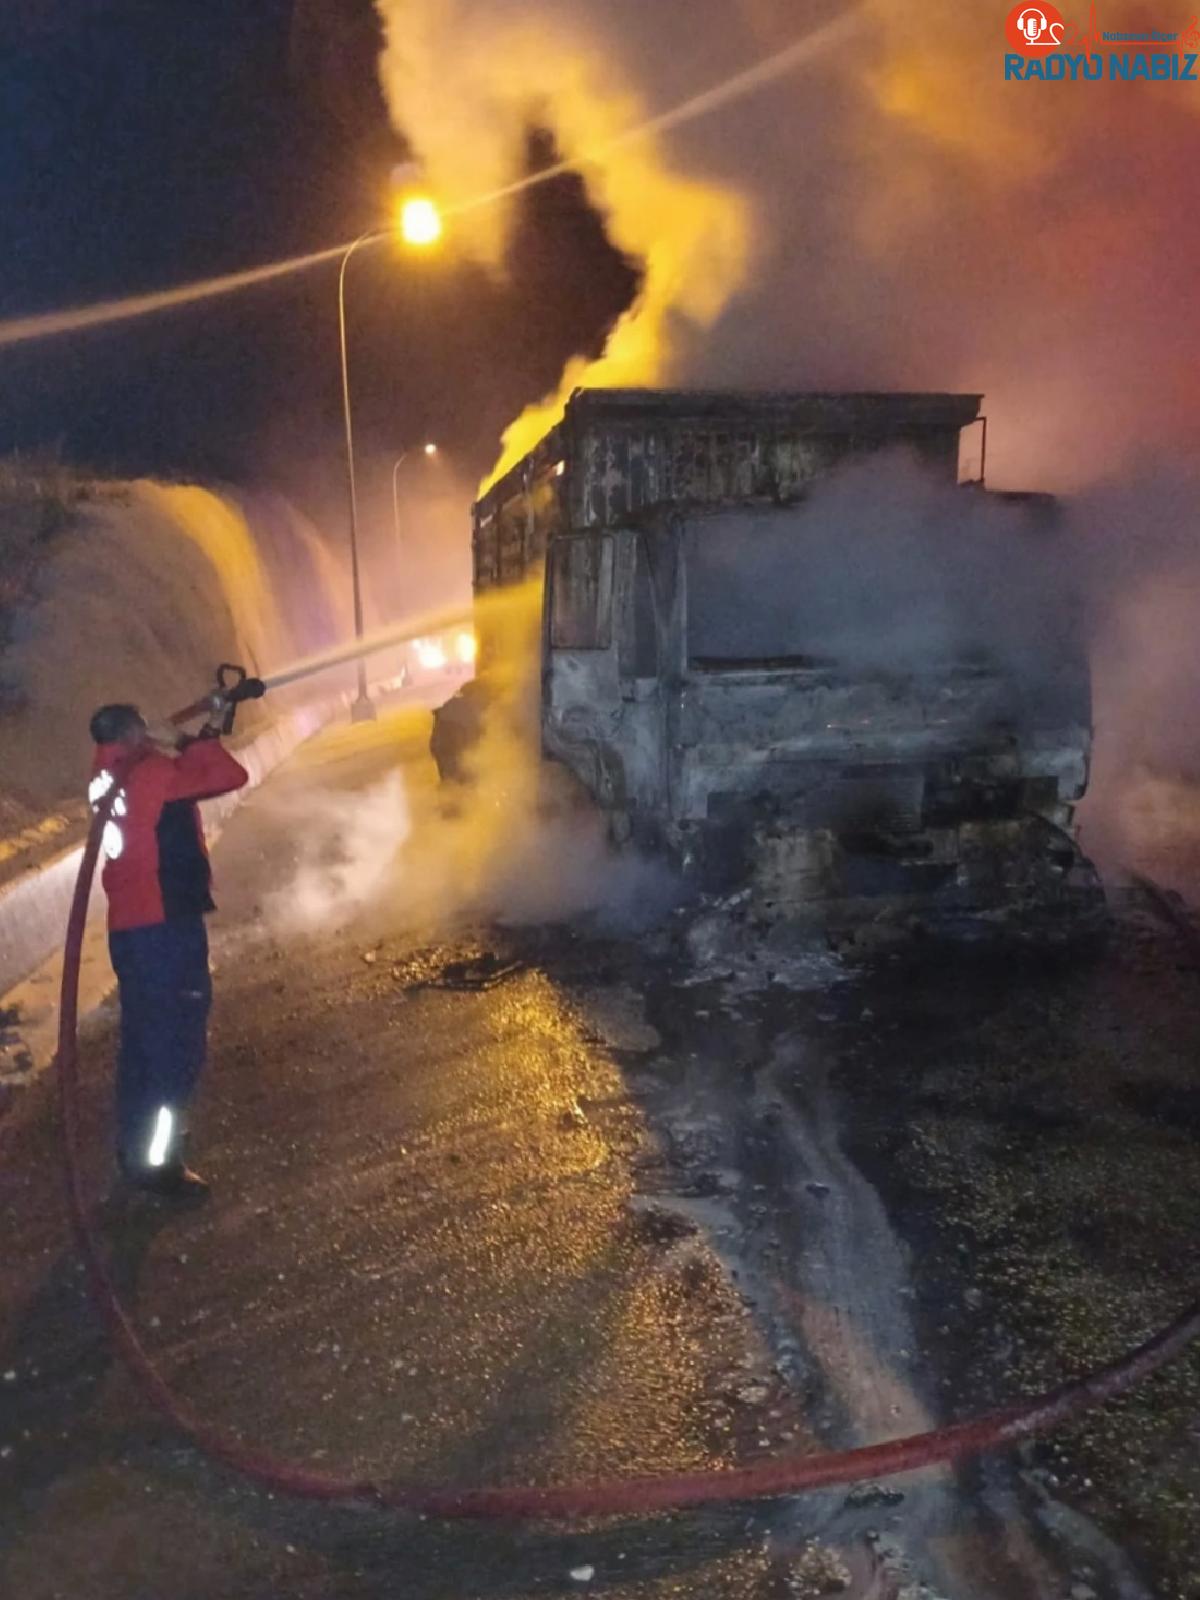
point(166, 993)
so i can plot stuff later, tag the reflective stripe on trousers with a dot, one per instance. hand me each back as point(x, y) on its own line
point(165, 992)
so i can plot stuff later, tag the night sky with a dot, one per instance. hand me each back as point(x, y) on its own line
point(148, 142)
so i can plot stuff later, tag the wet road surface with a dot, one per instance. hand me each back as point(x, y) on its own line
point(529, 1206)
point(419, 1259)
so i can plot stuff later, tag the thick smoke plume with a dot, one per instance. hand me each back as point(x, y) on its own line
point(1139, 544)
point(887, 569)
point(897, 215)
point(468, 81)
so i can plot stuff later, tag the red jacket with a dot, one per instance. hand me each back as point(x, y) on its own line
point(155, 860)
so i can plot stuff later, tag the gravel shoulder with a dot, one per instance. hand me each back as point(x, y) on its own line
point(1034, 1131)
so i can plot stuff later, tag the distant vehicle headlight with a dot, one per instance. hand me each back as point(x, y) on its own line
point(430, 654)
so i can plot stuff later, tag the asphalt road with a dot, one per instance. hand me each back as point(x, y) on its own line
point(420, 1258)
point(521, 1205)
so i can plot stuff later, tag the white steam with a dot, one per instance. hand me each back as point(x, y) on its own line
point(885, 568)
point(346, 854)
point(518, 844)
point(396, 856)
point(1140, 544)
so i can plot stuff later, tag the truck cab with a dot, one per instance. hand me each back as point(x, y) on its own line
point(686, 693)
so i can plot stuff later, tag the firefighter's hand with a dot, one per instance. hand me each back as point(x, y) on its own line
point(218, 710)
point(164, 736)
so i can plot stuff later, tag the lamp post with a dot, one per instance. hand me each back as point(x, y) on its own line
point(362, 709)
point(427, 450)
point(419, 225)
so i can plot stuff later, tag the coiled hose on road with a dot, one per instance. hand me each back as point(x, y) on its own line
point(631, 1497)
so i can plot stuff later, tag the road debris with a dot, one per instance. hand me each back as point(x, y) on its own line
point(473, 969)
point(817, 1571)
point(573, 1116)
point(872, 1494)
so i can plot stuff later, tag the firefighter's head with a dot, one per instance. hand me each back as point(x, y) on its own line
point(118, 724)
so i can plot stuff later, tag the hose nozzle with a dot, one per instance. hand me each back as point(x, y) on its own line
point(234, 686)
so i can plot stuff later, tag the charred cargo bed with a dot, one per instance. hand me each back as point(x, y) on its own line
point(681, 688)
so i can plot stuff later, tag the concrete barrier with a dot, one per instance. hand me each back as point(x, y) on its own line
point(34, 909)
point(33, 914)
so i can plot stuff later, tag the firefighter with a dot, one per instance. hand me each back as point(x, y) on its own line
point(158, 882)
point(457, 730)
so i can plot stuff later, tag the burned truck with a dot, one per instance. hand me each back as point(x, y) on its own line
point(689, 684)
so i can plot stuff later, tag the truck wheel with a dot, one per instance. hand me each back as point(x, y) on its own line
point(559, 791)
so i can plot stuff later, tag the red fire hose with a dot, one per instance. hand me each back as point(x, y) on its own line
point(630, 1497)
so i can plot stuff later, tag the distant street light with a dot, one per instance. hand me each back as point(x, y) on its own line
point(429, 449)
point(418, 224)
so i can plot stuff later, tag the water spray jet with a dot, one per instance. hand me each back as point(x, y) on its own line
point(234, 686)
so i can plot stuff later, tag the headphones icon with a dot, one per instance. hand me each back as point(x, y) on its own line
point(1032, 24)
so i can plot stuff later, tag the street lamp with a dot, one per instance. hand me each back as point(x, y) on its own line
point(420, 221)
point(430, 449)
point(419, 224)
